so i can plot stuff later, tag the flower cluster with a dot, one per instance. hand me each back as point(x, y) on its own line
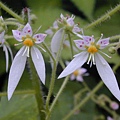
point(61, 28)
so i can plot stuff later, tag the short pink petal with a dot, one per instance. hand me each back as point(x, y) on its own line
point(72, 77)
point(55, 25)
point(103, 43)
point(76, 29)
point(27, 30)
point(17, 35)
point(80, 44)
point(39, 38)
point(70, 21)
point(88, 39)
point(79, 78)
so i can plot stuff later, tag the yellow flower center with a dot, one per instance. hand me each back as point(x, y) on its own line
point(92, 49)
point(28, 42)
point(76, 72)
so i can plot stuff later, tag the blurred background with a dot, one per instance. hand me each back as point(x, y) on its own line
point(23, 107)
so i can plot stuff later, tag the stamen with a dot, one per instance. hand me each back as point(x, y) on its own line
point(106, 54)
point(41, 48)
point(17, 44)
point(89, 59)
point(93, 59)
point(28, 49)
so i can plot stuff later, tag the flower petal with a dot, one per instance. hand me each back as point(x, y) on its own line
point(16, 71)
point(79, 78)
point(76, 28)
point(10, 51)
point(55, 43)
point(107, 75)
point(49, 32)
point(27, 30)
point(17, 35)
point(77, 62)
point(55, 24)
point(39, 38)
point(6, 56)
point(80, 44)
point(70, 21)
point(88, 39)
point(2, 37)
point(39, 63)
point(103, 43)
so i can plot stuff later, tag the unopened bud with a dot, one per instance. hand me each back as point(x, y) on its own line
point(114, 105)
point(112, 50)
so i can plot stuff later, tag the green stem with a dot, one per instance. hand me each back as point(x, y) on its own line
point(114, 38)
point(48, 51)
point(11, 12)
point(104, 17)
point(71, 45)
point(83, 101)
point(19, 92)
point(38, 93)
point(12, 23)
point(57, 97)
point(54, 73)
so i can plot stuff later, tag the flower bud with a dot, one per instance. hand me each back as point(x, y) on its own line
point(114, 105)
point(112, 50)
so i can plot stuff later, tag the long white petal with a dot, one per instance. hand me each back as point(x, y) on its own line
point(9, 49)
point(77, 62)
point(16, 71)
point(6, 56)
point(39, 63)
point(56, 40)
point(107, 75)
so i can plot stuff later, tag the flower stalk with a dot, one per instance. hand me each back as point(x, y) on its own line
point(54, 72)
point(4, 7)
point(38, 93)
point(83, 101)
point(57, 97)
point(104, 17)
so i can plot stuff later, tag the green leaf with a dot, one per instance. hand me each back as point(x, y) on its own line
point(20, 107)
point(86, 6)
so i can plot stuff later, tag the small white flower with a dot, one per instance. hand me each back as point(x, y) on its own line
point(90, 52)
point(78, 74)
point(30, 43)
point(6, 49)
point(67, 24)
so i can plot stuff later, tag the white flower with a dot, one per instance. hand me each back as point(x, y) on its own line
point(67, 24)
point(90, 52)
point(6, 49)
point(78, 74)
point(29, 42)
